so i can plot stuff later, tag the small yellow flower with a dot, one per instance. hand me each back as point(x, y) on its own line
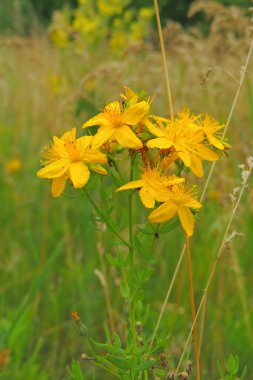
point(211, 129)
point(185, 137)
point(69, 158)
point(179, 202)
point(115, 124)
point(153, 186)
point(13, 165)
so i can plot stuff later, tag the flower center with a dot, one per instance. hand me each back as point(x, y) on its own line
point(114, 118)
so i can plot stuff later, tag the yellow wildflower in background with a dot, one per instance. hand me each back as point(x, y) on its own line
point(115, 124)
point(180, 201)
point(13, 165)
point(153, 186)
point(69, 158)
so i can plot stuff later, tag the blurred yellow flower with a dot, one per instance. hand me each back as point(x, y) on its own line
point(146, 12)
point(153, 186)
point(59, 37)
point(115, 124)
point(69, 158)
point(179, 202)
point(13, 165)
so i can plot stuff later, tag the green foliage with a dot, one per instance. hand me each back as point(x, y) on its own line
point(232, 369)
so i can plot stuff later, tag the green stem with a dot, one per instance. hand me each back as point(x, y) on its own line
point(97, 357)
point(100, 213)
point(131, 248)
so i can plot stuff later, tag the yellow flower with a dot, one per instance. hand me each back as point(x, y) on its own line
point(186, 138)
point(179, 202)
point(67, 158)
point(115, 124)
point(153, 186)
point(211, 129)
point(13, 165)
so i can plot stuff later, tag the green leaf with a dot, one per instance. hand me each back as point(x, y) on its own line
point(140, 248)
point(169, 226)
point(232, 364)
point(116, 261)
point(122, 363)
point(76, 372)
point(124, 289)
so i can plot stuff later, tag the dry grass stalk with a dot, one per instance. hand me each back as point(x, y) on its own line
point(165, 65)
point(193, 308)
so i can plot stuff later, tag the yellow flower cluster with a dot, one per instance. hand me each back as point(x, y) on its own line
point(96, 21)
point(163, 145)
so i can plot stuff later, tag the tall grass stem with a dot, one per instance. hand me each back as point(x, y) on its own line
point(193, 308)
point(165, 64)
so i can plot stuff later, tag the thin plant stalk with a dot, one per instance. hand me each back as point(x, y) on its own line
point(210, 278)
point(165, 65)
point(202, 322)
point(103, 279)
point(99, 212)
point(201, 198)
point(131, 248)
point(193, 309)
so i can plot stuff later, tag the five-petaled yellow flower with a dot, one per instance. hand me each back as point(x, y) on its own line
point(153, 186)
point(186, 139)
point(116, 124)
point(179, 202)
point(70, 158)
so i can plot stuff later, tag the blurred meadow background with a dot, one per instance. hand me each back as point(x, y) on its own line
point(59, 61)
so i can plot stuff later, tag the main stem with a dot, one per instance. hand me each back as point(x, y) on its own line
point(131, 248)
point(193, 309)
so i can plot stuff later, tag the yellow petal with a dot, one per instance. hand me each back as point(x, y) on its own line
point(94, 156)
point(54, 170)
point(58, 186)
point(163, 213)
point(102, 136)
point(146, 198)
point(98, 169)
point(160, 142)
point(59, 147)
point(132, 185)
point(70, 135)
point(186, 219)
point(206, 153)
point(153, 128)
point(185, 157)
point(215, 142)
point(196, 166)
point(79, 174)
point(129, 93)
point(125, 137)
point(113, 107)
point(99, 119)
point(172, 180)
point(193, 203)
point(84, 141)
point(135, 113)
